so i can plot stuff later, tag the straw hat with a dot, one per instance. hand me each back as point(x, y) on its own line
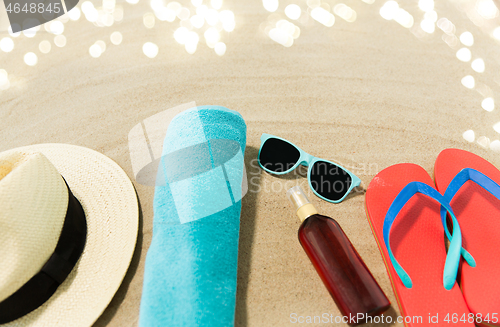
point(35, 205)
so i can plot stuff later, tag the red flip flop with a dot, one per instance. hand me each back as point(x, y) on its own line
point(417, 242)
point(478, 213)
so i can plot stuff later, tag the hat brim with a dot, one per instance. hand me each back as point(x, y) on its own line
point(112, 212)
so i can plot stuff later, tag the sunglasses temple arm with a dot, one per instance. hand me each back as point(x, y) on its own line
point(356, 181)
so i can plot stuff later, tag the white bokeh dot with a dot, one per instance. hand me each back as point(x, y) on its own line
point(30, 59)
point(44, 46)
point(116, 38)
point(150, 49)
point(6, 44)
point(95, 50)
point(293, 11)
point(220, 48)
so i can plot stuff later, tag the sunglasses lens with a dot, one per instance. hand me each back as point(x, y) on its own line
point(329, 180)
point(278, 156)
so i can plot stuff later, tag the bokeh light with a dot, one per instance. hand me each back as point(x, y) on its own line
point(227, 19)
point(184, 13)
point(30, 59)
point(483, 141)
point(4, 80)
point(56, 27)
point(469, 135)
point(468, 81)
point(180, 35)
point(108, 5)
point(427, 26)
point(496, 33)
point(345, 12)
point(284, 32)
point(451, 40)
point(487, 9)
point(216, 4)
point(74, 14)
point(44, 46)
point(101, 45)
point(488, 104)
point(404, 18)
point(431, 16)
point(270, 5)
point(202, 10)
point(175, 7)
point(191, 47)
point(191, 42)
point(313, 3)
point(104, 19)
point(156, 5)
point(281, 37)
point(90, 12)
point(208, 20)
point(149, 20)
point(323, 16)
point(95, 51)
point(220, 48)
point(211, 17)
point(496, 127)
point(446, 26)
point(464, 54)
point(495, 146)
point(212, 36)
point(118, 14)
point(60, 40)
point(166, 14)
point(197, 21)
point(150, 49)
point(478, 65)
point(293, 11)
point(64, 19)
point(6, 44)
point(389, 9)
point(30, 32)
point(426, 5)
point(116, 38)
point(467, 38)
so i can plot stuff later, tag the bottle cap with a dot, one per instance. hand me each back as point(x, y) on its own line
point(299, 199)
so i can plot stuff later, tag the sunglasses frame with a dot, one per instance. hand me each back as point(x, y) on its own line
point(307, 160)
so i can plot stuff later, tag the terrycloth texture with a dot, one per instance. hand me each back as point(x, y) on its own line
point(190, 272)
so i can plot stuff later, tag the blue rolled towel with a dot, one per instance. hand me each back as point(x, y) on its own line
point(191, 265)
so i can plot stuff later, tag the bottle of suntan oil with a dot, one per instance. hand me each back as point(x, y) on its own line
point(345, 275)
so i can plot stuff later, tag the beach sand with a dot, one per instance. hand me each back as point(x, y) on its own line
point(366, 94)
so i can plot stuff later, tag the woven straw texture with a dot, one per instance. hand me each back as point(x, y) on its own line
point(33, 204)
point(111, 208)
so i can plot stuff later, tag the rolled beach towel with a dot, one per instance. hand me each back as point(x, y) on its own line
point(191, 265)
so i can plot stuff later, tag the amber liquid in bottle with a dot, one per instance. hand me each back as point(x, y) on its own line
point(345, 275)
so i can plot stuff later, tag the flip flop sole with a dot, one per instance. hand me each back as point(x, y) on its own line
point(417, 240)
point(478, 213)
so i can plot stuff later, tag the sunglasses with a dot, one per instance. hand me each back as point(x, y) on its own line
point(329, 181)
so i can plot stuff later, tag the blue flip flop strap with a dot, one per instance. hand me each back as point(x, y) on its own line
point(457, 182)
point(453, 256)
